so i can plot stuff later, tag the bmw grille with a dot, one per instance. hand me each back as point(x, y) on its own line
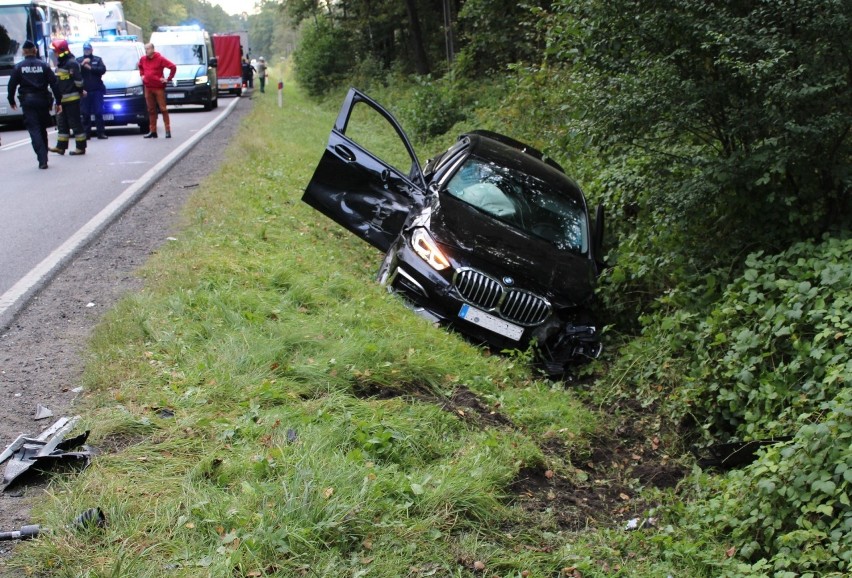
point(511, 304)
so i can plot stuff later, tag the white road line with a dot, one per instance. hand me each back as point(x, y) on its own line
point(40, 274)
point(22, 142)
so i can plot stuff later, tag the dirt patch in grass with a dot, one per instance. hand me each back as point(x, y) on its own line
point(597, 486)
point(602, 485)
point(465, 404)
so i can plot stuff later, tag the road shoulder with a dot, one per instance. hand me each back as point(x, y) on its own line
point(41, 352)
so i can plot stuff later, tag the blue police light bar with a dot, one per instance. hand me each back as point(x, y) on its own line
point(115, 38)
point(178, 28)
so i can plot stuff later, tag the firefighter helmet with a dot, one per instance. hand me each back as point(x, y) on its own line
point(60, 47)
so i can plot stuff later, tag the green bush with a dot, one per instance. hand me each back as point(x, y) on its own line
point(432, 108)
point(773, 348)
point(323, 58)
point(789, 515)
point(777, 345)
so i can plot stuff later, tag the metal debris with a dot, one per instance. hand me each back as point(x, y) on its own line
point(25, 533)
point(91, 518)
point(42, 412)
point(46, 449)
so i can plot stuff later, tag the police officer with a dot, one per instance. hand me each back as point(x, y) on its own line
point(93, 68)
point(70, 81)
point(33, 79)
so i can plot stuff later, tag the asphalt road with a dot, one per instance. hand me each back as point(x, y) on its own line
point(48, 215)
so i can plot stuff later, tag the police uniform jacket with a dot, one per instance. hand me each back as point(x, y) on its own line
point(92, 76)
point(70, 79)
point(32, 78)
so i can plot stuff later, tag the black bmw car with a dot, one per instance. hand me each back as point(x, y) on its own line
point(489, 237)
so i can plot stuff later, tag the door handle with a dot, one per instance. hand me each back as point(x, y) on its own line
point(344, 153)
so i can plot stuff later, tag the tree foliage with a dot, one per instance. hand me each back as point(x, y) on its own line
point(728, 122)
point(323, 57)
point(149, 14)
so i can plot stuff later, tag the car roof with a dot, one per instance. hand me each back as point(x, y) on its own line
point(511, 153)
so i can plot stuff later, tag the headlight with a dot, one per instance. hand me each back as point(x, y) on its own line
point(134, 91)
point(428, 250)
point(201, 79)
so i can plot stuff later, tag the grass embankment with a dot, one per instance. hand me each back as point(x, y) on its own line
point(265, 409)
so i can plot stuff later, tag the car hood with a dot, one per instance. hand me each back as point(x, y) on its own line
point(122, 78)
point(190, 71)
point(476, 240)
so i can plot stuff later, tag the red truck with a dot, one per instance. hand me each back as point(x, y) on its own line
point(229, 52)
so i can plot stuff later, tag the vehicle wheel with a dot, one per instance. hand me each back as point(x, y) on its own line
point(208, 105)
point(239, 92)
point(144, 128)
point(216, 102)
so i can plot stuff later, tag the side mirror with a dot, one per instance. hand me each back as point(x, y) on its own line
point(597, 239)
point(214, 62)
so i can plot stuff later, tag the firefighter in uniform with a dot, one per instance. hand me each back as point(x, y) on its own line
point(33, 79)
point(70, 81)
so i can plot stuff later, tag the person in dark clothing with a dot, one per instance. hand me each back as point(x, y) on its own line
point(92, 68)
point(248, 73)
point(70, 81)
point(34, 81)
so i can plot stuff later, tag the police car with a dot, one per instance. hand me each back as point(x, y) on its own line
point(124, 100)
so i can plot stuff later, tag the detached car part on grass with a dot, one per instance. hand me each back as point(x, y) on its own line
point(47, 450)
point(489, 237)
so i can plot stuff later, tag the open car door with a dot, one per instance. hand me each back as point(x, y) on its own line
point(368, 191)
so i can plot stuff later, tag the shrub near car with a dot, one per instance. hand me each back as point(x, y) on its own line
point(488, 237)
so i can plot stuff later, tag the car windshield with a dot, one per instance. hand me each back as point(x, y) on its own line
point(183, 53)
point(524, 201)
point(115, 56)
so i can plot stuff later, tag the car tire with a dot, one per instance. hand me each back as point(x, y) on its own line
point(216, 102)
point(144, 128)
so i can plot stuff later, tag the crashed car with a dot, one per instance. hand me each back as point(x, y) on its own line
point(489, 237)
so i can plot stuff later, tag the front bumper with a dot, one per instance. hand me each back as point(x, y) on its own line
point(561, 341)
point(189, 94)
point(123, 110)
point(433, 296)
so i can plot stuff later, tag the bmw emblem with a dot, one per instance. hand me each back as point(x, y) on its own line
point(508, 281)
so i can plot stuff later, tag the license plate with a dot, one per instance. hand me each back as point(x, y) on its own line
point(109, 117)
point(490, 322)
point(174, 95)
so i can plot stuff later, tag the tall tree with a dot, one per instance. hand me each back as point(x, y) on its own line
point(421, 62)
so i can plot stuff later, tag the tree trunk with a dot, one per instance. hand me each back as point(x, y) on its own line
point(421, 63)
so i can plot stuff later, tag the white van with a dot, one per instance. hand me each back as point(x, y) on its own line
point(191, 50)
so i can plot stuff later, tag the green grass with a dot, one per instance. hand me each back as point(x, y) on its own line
point(313, 431)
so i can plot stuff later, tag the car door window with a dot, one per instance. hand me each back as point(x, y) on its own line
point(372, 131)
